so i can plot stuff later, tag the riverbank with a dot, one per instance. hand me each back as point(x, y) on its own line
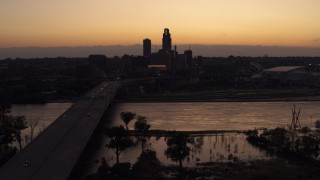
point(155, 132)
point(61, 101)
point(185, 99)
point(276, 168)
point(225, 95)
point(146, 100)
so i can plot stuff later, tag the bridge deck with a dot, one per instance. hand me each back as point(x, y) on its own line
point(53, 154)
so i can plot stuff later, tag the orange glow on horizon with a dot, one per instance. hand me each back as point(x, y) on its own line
point(83, 23)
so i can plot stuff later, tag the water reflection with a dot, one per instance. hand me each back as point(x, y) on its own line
point(45, 114)
point(206, 148)
point(204, 116)
point(219, 115)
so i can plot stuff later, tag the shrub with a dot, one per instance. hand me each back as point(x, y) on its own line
point(317, 124)
point(305, 130)
point(121, 169)
point(147, 167)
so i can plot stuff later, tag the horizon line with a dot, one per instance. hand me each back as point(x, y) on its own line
point(183, 44)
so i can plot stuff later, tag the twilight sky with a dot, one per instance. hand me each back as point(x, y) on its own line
point(48, 23)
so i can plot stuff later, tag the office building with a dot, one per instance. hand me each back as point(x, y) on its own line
point(146, 47)
point(188, 54)
point(166, 40)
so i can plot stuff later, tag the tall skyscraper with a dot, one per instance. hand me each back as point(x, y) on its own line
point(166, 40)
point(146, 47)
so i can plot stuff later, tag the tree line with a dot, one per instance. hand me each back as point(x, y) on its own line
point(147, 165)
point(299, 144)
point(10, 132)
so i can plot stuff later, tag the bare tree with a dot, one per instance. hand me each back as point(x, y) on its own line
point(32, 123)
point(295, 123)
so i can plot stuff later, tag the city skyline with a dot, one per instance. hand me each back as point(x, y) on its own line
point(81, 23)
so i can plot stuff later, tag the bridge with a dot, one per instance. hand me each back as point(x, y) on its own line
point(53, 154)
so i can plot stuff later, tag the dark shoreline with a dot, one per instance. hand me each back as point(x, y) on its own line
point(168, 100)
point(185, 100)
point(157, 132)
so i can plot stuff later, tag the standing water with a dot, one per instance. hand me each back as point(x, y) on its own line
point(205, 116)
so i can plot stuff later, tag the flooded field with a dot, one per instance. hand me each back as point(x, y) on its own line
point(206, 148)
point(204, 116)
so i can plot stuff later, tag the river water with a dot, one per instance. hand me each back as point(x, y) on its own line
point(191, 115)
point(45, 114)
point(220, 115)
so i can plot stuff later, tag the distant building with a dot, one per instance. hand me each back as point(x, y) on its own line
point(188, 54)
point(199, 61)
point(146, 47)
point(98, 60)
point(181, 61)
point(284, 73)
point(160, 61)
point(167, 60)
point(97, 65)
point(166, 40)
point(137, 66)
point(217, 71)
point(163, 60)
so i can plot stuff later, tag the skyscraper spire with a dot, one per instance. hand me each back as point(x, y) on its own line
point(166, 40)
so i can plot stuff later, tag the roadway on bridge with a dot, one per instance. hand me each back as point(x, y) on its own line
point(53, 154)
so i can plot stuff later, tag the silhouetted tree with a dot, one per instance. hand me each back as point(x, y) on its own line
point(4, 138)
point(104, 169)
point(310, 146)
point(252, 136)
point(10, 127)
point(19, 123)
point(6, 133)
point(119, 140)
point(276, 137)
point(142, 127)
point(10, 131)
point(178, 149)
point(198, 143)
point(127, 117)
point(4, 110)
point(147, 166)
point(305, 130)
point(317, 124)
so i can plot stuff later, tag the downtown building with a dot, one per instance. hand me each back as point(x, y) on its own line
point(167, 60)
point(146, 47)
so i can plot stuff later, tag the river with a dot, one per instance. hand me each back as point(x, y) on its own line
point(45, 114)
point(220, 115)
point(191, 115)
